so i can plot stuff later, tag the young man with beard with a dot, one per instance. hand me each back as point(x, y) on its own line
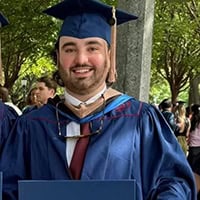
point(120, 137)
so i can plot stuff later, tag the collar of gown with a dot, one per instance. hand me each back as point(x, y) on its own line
point(83, 109)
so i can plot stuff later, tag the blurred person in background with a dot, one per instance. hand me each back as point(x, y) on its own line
point(166, 109)
point(8, 115)
point(184, 125)
point(4, 96)
point(44, 88)
point(194, 143)
point(31, 100)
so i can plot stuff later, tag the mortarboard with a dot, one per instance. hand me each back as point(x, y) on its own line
point(166, 103)
point(180, 102)
point(86, 18)
point(3, 20)
point(90, 18)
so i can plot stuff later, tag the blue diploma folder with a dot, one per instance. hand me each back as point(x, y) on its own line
point(77, 190)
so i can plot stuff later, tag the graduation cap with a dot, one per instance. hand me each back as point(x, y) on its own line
point(180, 102)
point(90, 18)
point(166, 103)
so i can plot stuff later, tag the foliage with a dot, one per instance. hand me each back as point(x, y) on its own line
point(30, 36)
point(110, 2)
point(176, 44)
point(30, 72)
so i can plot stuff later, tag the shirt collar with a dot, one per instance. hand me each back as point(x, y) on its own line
point(76, 102)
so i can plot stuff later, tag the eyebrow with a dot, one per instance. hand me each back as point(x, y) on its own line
point(93, 42)
point(68, 44)
point(87, 43)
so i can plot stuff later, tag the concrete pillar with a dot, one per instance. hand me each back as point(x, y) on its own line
point(134, 49)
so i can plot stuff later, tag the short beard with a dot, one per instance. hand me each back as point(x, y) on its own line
point(80, 86)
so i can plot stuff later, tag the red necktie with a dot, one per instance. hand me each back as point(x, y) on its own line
point(79, 152)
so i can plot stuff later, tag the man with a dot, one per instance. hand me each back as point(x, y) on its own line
point(123, 138)
point(4, 96)
point(7, 114)
point(166, 108)
point(44, 89)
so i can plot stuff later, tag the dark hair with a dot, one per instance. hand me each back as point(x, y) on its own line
point(28, 98)
point(57, 78)
point(195, 120)
point(188, 111)
point(165, 104)
point(4, 94)
point(49, 82)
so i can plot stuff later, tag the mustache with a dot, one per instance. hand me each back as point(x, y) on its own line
point(84, 65)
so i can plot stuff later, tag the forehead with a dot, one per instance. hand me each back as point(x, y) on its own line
point(40, 84)
point(76, 41)
point(33, 90)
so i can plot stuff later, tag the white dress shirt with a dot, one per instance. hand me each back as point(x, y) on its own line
point(73, 128)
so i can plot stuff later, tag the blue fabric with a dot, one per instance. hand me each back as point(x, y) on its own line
point(87, 18)
point(136, 143)
point(29, 109)
point(8, 117)
point(3, 20)
point(85, 26)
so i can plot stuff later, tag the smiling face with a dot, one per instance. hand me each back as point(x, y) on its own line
point(83, 65)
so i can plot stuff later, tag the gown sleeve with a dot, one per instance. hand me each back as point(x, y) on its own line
point(166, 173)
point(8, 117)
point(14, 154)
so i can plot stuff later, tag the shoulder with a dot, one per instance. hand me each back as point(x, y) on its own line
point(29, 109)
point(44, 113)
point(7, 111)
point(19, 112)
point(139, 107)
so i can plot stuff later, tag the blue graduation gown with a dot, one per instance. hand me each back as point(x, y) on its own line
point(135, 143)
point(8, 117)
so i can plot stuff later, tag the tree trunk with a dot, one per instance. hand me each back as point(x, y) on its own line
point(134, 49)
point(194, 93)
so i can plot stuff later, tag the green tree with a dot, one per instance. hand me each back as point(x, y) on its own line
point(30, 35)
point(176, 43)
point(110, 2)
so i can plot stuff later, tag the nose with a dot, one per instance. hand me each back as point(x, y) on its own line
point(81, 58)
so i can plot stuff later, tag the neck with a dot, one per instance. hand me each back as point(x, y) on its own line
point(85, 97)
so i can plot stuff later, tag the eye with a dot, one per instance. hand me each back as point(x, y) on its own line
point(69, 50)
point(92, 48)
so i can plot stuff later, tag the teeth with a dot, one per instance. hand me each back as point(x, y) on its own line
point(82, 70)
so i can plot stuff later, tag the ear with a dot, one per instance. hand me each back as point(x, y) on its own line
point(57, 78)
point(52, 92)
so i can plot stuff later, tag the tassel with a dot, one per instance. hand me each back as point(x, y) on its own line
point(112, 72)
